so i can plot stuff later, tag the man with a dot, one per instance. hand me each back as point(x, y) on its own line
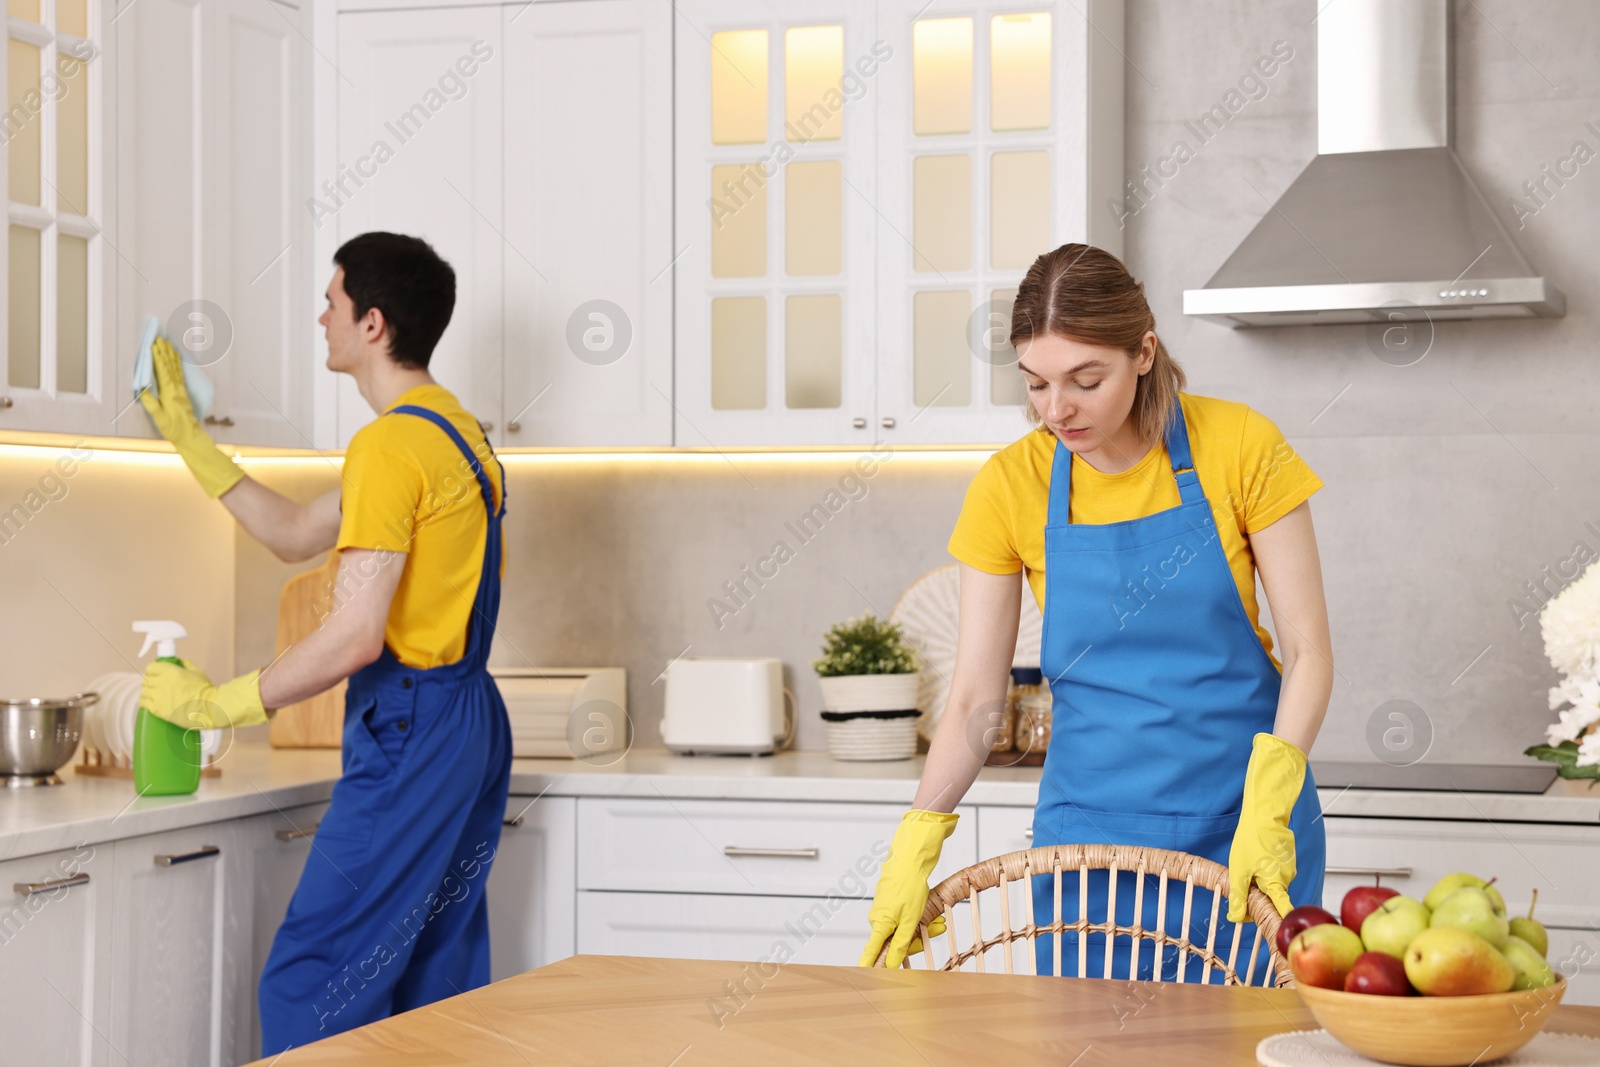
point(390, 913)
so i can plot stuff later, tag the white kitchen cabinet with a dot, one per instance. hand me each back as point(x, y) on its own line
point(57, 298)
point(588, 223)
point(755, 929)
point(170, 996)
point(420, 136)
point(532, 886)
point(55, 925)
point(262, 863)
point(212, 184)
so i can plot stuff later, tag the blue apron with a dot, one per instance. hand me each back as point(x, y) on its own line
point(1159, 684)
point(390, 912)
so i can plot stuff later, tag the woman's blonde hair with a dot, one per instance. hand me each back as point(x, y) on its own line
point(1085, 294)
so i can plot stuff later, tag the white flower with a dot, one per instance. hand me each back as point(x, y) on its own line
point(1589, 751)
point(1573, 722)
point(1570, 625)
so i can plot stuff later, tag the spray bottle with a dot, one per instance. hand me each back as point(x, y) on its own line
point(166, 757)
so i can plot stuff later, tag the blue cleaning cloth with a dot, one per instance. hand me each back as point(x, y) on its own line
point(202, 392)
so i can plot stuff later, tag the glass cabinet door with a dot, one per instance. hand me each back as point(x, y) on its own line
point(775, 208)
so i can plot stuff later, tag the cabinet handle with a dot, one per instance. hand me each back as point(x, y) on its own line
point(488, 427)
point(888, 422)
point(5, 402)
point(1028, 833)
point(774, 853)
point(212, 420)
point(297, 833)
point(1375, 872)
point(511, 820)
point(513, 426)
point(28, 889)
point(859, 423)
point(188, 857)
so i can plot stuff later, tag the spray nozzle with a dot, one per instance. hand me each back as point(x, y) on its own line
point(163, 633)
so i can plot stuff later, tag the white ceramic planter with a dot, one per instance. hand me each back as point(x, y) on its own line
point(870, 692)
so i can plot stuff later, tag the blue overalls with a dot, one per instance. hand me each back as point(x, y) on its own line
point(390, 912)
point(1159, 685)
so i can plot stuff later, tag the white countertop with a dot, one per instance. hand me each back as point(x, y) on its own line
point(257, 778)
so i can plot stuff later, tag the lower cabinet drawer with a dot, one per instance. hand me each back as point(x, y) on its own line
point(1576, 954)
point(1002, 830)
point(1562, 862)
point(756, 929)
point(747, 847)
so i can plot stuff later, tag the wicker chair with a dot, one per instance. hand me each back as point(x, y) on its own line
point(1006, 873)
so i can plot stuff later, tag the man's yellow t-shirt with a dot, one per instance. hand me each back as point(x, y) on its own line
point(1251, 476)
point(406, 487)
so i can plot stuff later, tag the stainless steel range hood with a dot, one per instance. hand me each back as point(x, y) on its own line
point(1384, 218)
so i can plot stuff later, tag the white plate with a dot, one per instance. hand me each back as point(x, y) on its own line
point(928, 614)
point(120, 716)
point(93, 738)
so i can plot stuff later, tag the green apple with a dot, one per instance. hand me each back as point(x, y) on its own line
point(1392, 924)
point(1447, 961)
point(1471, 908)
point(1532, 971)
point(1531, 930)
point(1451, 882)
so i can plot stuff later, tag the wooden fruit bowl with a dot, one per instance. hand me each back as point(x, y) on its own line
point(1420, 1031)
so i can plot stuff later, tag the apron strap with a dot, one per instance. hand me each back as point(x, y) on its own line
point(472, 458)
point(1177, 440)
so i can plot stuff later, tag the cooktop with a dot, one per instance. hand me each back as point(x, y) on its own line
point(1530, 777)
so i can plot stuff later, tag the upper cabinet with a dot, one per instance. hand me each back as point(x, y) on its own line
point(58, 308)
point(212, 189)
point(860, 189)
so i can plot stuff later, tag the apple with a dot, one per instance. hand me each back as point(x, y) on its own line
point(1302, 918)
point(1447, 961)
point(1361, 901)
point(1322, 955)
point(1471, 908)
point(1393, 924)
point(1378, 973)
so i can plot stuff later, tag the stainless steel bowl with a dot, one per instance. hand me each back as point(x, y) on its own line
point(38, 737)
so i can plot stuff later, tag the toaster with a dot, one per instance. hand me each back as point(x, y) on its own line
point(726, 706)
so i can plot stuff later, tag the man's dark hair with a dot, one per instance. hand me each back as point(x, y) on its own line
point(404, 278)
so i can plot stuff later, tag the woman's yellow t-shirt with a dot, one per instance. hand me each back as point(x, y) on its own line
point(406, 487)
point(1250, 474)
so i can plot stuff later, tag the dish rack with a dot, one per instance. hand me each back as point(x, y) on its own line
point(107, 749)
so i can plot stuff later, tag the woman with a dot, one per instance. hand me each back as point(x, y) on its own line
point(1174, 726)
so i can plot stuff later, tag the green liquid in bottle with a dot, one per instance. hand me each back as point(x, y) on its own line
point(166, 756)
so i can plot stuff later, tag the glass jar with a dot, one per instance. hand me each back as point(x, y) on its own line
point(1032, 732)
point(1003, 735)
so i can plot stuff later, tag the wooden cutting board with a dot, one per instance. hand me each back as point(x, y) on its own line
point(305, 602)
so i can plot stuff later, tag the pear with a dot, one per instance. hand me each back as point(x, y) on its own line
point(1391, 925)
point(1451, 882)
point(1471, 908)
point(1447, 961)
point(1528, 963)
point(1532, 930)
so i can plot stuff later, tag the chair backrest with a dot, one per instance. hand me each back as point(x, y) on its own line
point(1165, 871)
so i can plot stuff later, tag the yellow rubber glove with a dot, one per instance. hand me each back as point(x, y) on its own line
point(182, 694)
point(1263, 844)
point(174, 417)
point(903, 886)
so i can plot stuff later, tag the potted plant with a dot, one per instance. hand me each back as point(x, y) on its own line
point(869, 677)
point(1570, 626)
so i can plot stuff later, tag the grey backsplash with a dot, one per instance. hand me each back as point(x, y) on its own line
point(1449, 483)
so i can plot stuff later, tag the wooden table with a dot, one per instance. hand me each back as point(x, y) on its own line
point(611, 1010)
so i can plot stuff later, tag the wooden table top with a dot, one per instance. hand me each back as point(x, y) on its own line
point(612, 1010)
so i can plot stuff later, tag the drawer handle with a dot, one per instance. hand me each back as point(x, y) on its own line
point(188, 857)
point(512, 821)
point(1028, 833)
point(28, 889)
point(1375, 872)
point(297, 833)
point(774, 853)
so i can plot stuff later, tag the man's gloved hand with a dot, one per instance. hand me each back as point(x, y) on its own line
point(903, 886)
point(182, 694)
point(174, 417)
point(1263, 844)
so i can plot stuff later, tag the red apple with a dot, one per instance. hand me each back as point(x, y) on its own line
point(1379, 973)
point(1362, 901)
point(1302, 918)
point(1323, 955)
